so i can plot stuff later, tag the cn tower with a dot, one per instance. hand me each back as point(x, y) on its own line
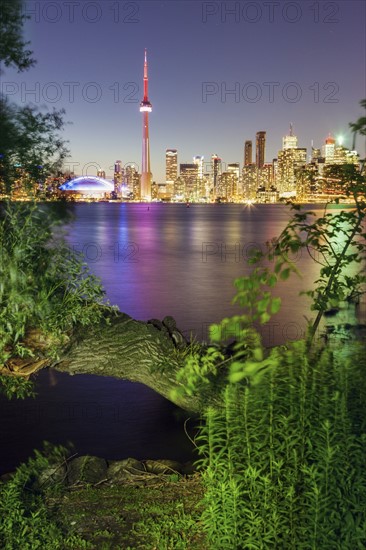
point(145, 108)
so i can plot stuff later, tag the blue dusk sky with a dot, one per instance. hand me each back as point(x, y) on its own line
point(218, 73)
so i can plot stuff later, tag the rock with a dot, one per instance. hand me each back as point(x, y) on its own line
point(87, 469)
point(188, 468)
point(119, 470)
point(51, 476)
point(163, 466)
point(4, 478)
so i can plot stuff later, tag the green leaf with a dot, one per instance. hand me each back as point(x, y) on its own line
point(275, 305)
point(284, 275)
point(264, 318)
point(236, 377)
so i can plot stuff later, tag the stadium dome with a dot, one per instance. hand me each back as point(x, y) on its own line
point(88, 185)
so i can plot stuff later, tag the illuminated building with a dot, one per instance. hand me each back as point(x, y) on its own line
point(290, 141)
point(179, 188)
point(189, 174)
point(288, 162)
point(269, 195)
point(101, 173)
point(338, 154)
point(328, 150)
point(87, 187)
point(260, 148)
point(216, 172)
point(198, 160)
point(229, 183)
point(171, 166)
point(132, 181)
point(315, 154)
point(145, 109)
point(248, 152)
point(249, 182)
point(118, 177)
point(265, 176)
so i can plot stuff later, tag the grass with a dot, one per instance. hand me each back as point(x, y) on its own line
point(164, 516)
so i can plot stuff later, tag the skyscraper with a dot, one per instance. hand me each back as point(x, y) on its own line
point(260, 148)
point(216, 172)
point(248, 152)
point(171, 166)
point(198, 159)
point(118, 176)
point(145, 108)
point(290, 141)
point(189, 174)
point(328, 150)
point(132, 181)
point(289, 162)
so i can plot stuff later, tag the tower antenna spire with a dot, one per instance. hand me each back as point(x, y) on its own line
point(146, 78)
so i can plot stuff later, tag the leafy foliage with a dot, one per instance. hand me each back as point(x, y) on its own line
point(43, 284)
point(283, 456)
point(31, 145)
point(13, 49)
point(283, 461)
point(25, 521)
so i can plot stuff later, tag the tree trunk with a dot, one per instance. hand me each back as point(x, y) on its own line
point(131, 350)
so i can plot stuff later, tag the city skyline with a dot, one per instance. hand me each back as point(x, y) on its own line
point(203, 87)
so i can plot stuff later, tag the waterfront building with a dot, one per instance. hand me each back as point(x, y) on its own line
point(117, 178)
point(249, 182)
point(189, 174)
point(216, 170)
point(87, 188)
point(132, 181)
point(171, 166)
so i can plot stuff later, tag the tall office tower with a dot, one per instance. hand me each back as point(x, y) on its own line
point(118, 177)
point(132, 181)
point(288, 164)
point(265, 176)
point(145, 109)
point(171, 166)
point(216, 172)
point(248, 152)
point(198, 160)
point(189, 175)
point(260, 149)
point(290, 141)
point(101, 174)
point(228, 185)
point(328, 150)
point(249, 181)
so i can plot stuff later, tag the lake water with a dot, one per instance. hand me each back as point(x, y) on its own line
point(157, 260)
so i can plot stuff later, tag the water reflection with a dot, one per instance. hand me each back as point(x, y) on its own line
point(168, 260)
